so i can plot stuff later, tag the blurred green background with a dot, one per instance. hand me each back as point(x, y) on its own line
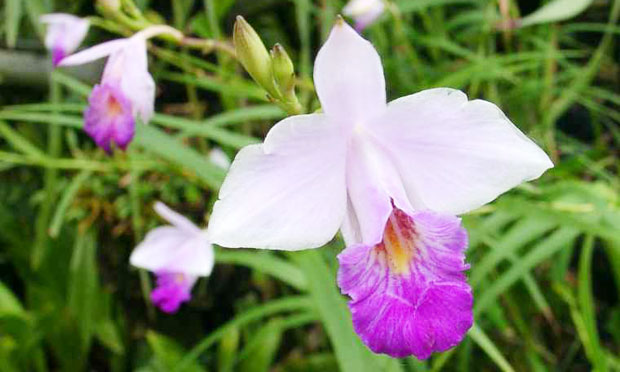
point(545, 258)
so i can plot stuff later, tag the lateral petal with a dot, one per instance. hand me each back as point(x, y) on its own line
point(456, 155)
point(288, 193)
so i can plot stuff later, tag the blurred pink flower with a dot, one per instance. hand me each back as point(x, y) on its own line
point(364, 12)
point(391, 177)
point(178, 255)
point(126, 91)
point(65, 33)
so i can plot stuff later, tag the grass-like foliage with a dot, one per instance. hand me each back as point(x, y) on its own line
point(545, 257)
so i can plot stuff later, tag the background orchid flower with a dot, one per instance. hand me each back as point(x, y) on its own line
point(178, 255)
point(390, 176)
point(126, 91)
point(64, 34)
point(364, 12)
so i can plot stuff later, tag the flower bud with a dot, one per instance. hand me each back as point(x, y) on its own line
point(109, 6)
point(253, 55)
point(283, 70)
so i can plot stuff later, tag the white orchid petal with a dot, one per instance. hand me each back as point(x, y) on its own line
point(93, 53)
point(64, 31)
point(175, 218)
point(288, 193)
point(372, 184)
point(349, 77)
point(456, 155)
point(173, 250)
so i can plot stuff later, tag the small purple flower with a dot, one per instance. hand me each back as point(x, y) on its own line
point(108, 118)
point(364, 12)
point(409, 295)
point(65, 33)
point(126, 87)
point(178, 255)
point(172, 290)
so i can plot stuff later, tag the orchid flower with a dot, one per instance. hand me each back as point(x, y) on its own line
point(178, 255)
point(364, 12)
point(65, 33)
point(391, 177)
point(126, 91)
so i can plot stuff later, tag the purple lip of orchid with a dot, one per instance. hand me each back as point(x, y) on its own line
point(409, 295)
point(172, 290)
point(391, 177)
point(58, 54)
point(109, 117)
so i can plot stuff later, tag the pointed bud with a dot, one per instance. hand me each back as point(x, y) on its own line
point(109, 6)
point(283, 70)
point(253, 55)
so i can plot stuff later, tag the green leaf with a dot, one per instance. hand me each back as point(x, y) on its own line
point(227, 350)
point(265, 262)
point(65, 200)
point(262, 348)
point(12, 16)
point(168, 353)
point(555, 11)
point(107, 333)
point(586, 304)
point(486, 344)
point(83, 287)
point(156, 141)
point(561, 238)
point(9, 304)
point(286, 304)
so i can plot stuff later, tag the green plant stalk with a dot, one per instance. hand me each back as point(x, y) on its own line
point(136, 224)
point(586, 303)
point(351, 354)
point(286, 304)
point(54, 148)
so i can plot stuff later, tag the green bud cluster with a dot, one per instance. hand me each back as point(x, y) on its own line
point(273, 71)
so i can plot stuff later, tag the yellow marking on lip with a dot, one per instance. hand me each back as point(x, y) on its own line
point(398, 249)
point(114, 107)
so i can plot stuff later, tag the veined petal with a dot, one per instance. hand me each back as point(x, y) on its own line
point(288, 193)
point(348, 76)
point(456, 155)
point(175, 218)
point(93, 53)
point(409, 294)
point(372, 184)
point(174, 250)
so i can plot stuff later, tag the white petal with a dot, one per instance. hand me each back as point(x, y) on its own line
point(129, 65)
point(456, 155)
point(349, 77)
point(173, 250)
point(372, 184)
point(175, 218)
point(93, 53)
point(64, 30)
point(288, 193)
